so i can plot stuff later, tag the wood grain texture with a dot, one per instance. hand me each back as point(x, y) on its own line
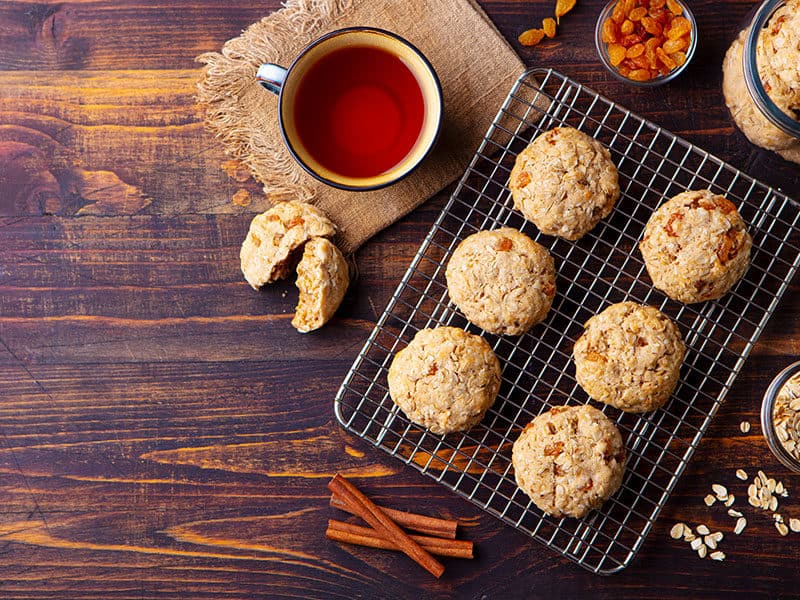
point(164, 432)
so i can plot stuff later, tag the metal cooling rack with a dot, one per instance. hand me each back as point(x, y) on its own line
point(603, 267)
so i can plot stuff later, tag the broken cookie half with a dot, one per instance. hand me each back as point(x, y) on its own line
point(322, 278)
point(276, 236)
point(272, 246)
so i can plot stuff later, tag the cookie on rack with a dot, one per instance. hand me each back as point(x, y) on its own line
point(276, 237)
point(569, 460)
point(322, 278)
point(501, 280)
point(629, 356)
point(696, 246)
point(445, 379)
point(564, 182)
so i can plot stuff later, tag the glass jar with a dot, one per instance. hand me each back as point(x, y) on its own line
point(761, 78)
point(780, 416)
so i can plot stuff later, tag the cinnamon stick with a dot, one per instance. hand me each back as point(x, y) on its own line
point(443, 528)
point(387, 528)
point(366, 536)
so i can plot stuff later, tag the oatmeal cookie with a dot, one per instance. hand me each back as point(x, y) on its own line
point(630, 357)
point(564, 182)
point(696, 246)
point(445, 379)
point(569, 460)
point(502, 280)
point(276, 236)
point(322, 278)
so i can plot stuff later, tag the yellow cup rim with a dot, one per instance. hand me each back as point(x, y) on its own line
point(411, 165)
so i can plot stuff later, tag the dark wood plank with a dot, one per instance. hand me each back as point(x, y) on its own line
point(165, 433)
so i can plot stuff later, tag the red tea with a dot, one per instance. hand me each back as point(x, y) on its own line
point(359, 111)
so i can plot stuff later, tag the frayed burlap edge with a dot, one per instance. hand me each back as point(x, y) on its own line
point(261, 42)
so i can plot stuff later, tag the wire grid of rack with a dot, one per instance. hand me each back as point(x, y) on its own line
point(601, 268)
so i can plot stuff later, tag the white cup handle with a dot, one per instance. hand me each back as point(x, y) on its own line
point(271, 76)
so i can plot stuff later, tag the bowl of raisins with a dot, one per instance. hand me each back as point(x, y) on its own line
point(646, 42)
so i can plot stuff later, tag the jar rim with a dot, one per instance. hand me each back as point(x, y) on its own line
point(753, 80)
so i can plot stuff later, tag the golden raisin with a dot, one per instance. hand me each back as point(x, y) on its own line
point(563, 7)
point(651, 26)
point(554, 449)
point(665, 59)
point(637, 13)
point(674, 8)
point(672, 46)
point(549, 27)
point(678, 57)
point(609, 31)
point(630, 40)
point(504, 245)
point(639, 75)
point(626, 27)
point(634, 51)
point(679, 27)
point(616, 53)
point(618, 13)
point(531, 37)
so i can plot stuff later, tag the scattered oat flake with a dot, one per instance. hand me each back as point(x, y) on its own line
point(720, 490)
point(734, 513)
point(710, 542)
point(794, 525)
point(563, 7)
point(741, 474)
point(703, 530)
point(531, 37)
point(241, 198)
point(702, 551)
point(677, 531)
point(709, 500)
point(696, 543)
point(744, 426)
point(718, 555)
point(741, 523)
point(549, 27)
point(782, 529)
point(731, 499)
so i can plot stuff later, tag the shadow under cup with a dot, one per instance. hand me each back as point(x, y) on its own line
point(359, 108)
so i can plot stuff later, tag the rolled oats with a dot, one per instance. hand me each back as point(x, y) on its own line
point(677, 531)
point(741, 523)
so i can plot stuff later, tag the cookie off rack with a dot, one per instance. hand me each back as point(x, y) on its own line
point(602, 268)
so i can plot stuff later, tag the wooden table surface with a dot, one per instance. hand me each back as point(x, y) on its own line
point(166, 433)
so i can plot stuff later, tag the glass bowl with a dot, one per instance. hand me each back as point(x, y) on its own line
point(602, 48)
point(783, 438)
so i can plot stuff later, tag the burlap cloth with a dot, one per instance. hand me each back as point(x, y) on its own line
point(475, 65)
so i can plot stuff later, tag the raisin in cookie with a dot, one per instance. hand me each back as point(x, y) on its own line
point(630, 357)
point(275, 237)
point(696, 246)
point(502, 280)
point(569, 460)
point(445, 379)
point(564, 182)
point(322, 278)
